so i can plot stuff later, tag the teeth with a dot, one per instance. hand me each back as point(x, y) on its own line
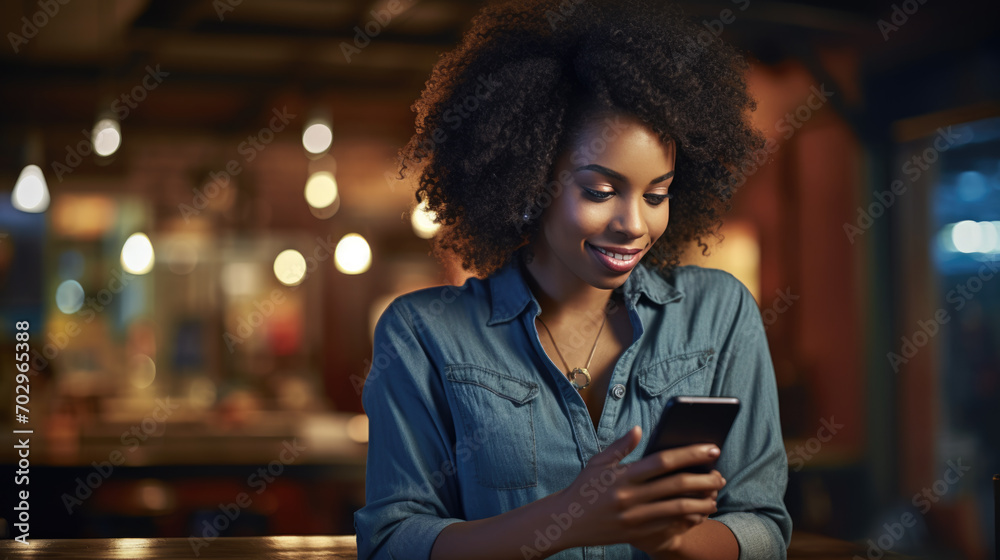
point(617, 256)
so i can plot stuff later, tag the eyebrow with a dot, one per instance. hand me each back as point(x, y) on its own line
point(618, 176)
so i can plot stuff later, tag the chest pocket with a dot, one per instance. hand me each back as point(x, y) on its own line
point(685, 374)
point(497, 410)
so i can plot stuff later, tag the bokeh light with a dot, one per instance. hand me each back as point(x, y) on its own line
point(141, 371)
point(106, 137)
point(321, 189)
point(137, 254)
point(422, 220)
point(317, 137)
point(290, 267)
point(353, 255)
point(69, 296)
point(31, 194)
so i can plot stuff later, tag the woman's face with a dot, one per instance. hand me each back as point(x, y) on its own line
point(610, 202)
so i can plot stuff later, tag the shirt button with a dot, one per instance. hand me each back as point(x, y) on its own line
point(618, 391)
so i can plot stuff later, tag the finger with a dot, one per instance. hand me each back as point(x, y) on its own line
point(713, 495)
point(673, 459)
point(721, 478)
point(722, 484)
point(676, 508)
point(678, 485)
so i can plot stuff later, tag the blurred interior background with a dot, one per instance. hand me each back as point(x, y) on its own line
point(200, 221)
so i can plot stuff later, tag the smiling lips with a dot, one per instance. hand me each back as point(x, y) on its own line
point(618, 259)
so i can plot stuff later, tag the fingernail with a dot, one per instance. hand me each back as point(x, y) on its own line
point(714, 451)
point(723, 480)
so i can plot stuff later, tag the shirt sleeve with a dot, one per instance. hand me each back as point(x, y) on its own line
point(411, 492)
point(753, 461)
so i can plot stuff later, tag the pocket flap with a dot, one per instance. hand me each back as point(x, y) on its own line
point(510, 388)
point(663, 375)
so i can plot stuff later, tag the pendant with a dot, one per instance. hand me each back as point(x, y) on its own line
point(577, 372)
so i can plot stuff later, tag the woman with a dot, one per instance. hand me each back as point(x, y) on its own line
point(572, 151)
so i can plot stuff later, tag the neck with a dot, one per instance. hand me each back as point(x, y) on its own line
point(561, 294)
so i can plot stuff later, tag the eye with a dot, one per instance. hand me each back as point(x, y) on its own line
point(596, 195)
point(657, 199)
point(653, 199)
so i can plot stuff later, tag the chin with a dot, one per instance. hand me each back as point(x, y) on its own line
point(611, 283)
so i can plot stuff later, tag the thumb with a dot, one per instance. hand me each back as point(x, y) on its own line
point(625, 444)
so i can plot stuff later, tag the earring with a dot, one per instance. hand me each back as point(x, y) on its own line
point(527, 215)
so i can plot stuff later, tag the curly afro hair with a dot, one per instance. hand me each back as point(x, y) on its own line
point(499, 109)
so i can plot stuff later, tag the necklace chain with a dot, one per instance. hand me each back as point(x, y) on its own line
point(585, 369)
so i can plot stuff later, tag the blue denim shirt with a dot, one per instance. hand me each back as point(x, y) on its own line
point(469, 418)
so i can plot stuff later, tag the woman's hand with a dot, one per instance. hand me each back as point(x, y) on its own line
point(613, 502)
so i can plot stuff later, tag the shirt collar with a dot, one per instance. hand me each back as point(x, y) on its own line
point(510, 294)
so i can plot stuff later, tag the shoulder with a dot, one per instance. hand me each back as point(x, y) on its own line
point(440, 305)
point(714, 292)
point(711, 279)
point(417, 329)
point(708, 284)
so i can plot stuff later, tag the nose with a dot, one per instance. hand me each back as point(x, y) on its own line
point(628, 219)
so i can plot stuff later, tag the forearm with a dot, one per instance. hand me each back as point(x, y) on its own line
point(506, 536)
point(710, 540)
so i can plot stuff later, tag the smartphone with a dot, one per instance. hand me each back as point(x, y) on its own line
point(691, 420)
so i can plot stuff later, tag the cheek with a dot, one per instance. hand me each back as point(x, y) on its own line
point(562, 222)
point(577, 218)
point(592, 218)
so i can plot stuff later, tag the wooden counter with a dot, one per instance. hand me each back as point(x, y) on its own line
point(804, 545)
